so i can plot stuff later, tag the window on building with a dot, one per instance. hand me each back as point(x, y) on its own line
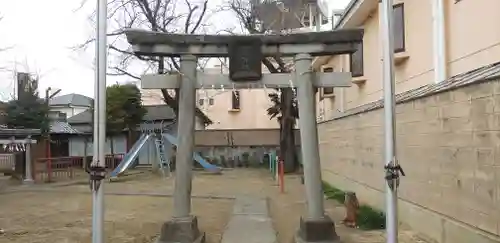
point(399, 28)
point(211, 101)
point(201, 101)
point(235, 101)
point(328, 90)
point(356, 62)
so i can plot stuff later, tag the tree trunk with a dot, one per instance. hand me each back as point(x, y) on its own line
point(111, 145)
point(129, 139)
point(287, 141)
point(293, 146)
point(177, 92)
point(161, 70)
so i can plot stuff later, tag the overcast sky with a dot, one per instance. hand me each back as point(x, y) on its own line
point(41, 33)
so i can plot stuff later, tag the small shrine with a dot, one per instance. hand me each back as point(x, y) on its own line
point(14, 142)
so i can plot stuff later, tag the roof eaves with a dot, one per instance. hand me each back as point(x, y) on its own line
point(348, 12)
point(482, 74)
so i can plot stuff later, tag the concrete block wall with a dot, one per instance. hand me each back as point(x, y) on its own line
point(449, 146)
point(241, 137)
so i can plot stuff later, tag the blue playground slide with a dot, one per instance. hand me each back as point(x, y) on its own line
point(196, 156)
point(130, 157)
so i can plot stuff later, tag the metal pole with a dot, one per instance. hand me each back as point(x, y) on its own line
point(310, 6)
point(318, 18)
point(309, 136)
point(387, 39)
point(99, 122)
point(185, 131)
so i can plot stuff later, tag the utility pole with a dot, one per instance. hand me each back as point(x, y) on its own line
point(47, 146)
point(392, 168)
point(98, 166)
point(49, 96)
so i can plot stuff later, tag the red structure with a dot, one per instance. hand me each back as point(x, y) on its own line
point(63, 168)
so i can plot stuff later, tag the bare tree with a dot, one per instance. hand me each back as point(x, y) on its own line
point(169, 16)
point(2, 49)
point(284, 107)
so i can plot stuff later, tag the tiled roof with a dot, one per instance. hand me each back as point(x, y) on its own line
point(154, 113)
point(143, 127)
point(83, 128)
point(83, 117)
point(482, 74)
point(71, 99)
point(60, 127)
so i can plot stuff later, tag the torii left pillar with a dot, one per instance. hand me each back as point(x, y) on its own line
point(29, 170)
point(183, 227)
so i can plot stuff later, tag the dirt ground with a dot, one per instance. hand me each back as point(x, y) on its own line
point(62, 218)
point(61, 213)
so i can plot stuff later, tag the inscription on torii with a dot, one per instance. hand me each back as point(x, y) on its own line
point(245, 59)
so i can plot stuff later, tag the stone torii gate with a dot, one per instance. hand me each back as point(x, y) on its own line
point(245, 56)
point(23, 137)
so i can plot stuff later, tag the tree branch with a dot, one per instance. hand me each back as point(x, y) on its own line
point(198, 23)
point(123, 72)
point(155, 15)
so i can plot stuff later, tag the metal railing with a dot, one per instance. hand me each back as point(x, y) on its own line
point(63, 168)
point(7, 162)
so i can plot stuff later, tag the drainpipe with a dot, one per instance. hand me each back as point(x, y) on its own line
point(311, 16)
point(439, 40)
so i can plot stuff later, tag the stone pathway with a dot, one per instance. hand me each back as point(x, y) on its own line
point(250, 222)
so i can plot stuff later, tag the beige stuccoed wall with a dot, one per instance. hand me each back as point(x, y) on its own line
point(251, 115)
point(472, 41)
point(449, 147)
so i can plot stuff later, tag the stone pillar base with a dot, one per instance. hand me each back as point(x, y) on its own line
point(181, 230)
point(320, 231)
point(28, 182)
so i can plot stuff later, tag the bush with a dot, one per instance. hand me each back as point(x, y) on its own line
point(333, 193)
point(370, 219)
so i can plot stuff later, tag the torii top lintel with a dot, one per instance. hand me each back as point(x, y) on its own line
point(16, 136)
point(151, 43)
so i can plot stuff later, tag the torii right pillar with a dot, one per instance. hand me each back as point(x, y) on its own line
point(316, 226)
